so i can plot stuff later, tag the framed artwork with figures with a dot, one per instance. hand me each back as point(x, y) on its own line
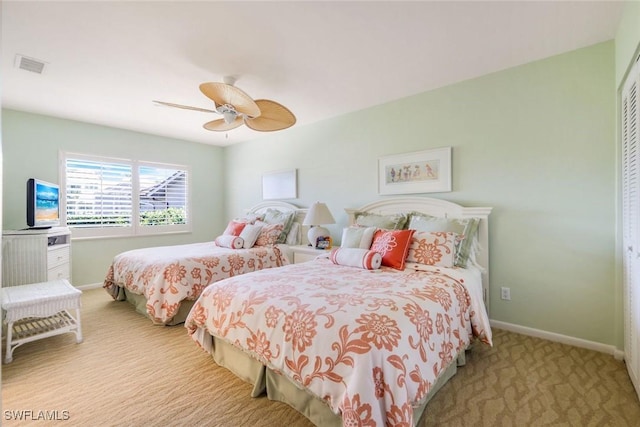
point(426, 171)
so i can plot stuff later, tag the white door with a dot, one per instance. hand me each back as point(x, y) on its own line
point(631, 221)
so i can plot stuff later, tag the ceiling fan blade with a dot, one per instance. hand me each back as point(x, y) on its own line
point(220, 125)
point(184, 107)
point(274, 117)
point(222, 93)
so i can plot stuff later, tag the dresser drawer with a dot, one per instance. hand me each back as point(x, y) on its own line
point(59, 272)
point(58, 256)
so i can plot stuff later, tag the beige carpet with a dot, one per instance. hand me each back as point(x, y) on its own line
point(129, 372)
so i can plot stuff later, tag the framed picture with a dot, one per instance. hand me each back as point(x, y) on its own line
point(279, 185)
point(426, 171)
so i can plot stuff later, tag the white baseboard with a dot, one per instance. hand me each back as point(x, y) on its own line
point(90, 286)
point(563, 339)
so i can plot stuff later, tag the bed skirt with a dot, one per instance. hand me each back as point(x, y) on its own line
point(140, 303)
point(279, 388)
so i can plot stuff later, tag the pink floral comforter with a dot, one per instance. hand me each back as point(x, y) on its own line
point(370, 343)
point(167, 275)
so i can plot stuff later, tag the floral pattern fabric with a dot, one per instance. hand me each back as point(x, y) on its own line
point(433, 248)
point(393, 245)
point(167, 275)
point(269, 234)
point(370, 343)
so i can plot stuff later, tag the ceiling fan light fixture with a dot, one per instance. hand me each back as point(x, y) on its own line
point(229, 113)
point(229, 116)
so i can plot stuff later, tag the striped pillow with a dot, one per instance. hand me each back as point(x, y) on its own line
point(229, 241)
point(356, 257)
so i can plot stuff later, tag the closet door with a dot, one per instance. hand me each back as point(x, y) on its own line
point(631, 222)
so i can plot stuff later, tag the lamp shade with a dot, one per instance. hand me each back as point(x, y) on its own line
point(318, 214)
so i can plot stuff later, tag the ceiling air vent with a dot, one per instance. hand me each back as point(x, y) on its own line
point(29, 64)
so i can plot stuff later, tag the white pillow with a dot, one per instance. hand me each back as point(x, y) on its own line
point(357, 237)
point(356, 257)
point(250, 234)
point(229, 241)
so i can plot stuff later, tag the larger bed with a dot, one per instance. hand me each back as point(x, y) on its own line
point(356, 346)
point(163, 282)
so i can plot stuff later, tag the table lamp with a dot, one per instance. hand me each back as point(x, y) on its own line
point(317, 215)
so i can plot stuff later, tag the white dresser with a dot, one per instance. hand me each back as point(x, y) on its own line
point(34, 256)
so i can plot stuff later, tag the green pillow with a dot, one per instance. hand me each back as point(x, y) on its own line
point(389, 222)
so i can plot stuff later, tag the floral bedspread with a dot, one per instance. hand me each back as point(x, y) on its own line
point(167, 275)
point(371, 343)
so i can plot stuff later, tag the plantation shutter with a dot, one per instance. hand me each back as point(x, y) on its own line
point(119, 197)
point(98, 194)
point(630, 133)
point(163, 196)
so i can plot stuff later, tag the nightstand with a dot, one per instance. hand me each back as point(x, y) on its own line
point(304, 253)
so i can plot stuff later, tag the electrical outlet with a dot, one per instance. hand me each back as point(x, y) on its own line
point(505, 293)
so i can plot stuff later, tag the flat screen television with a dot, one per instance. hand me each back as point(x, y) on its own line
point(43, 204)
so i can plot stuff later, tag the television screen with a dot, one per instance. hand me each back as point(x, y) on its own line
point(43, 204)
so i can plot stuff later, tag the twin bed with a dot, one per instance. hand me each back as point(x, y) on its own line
point(163, 282)
point(355, 346)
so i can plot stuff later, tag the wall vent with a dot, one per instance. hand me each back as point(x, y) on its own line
point(29, 64)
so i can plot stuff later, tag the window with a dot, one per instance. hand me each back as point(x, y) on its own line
point(116, 197)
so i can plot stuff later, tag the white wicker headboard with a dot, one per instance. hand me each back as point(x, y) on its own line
point(443, 209)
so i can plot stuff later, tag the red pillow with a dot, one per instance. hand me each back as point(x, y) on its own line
point(393, 245)
point(234, 228)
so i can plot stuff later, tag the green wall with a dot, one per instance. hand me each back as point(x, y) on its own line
point(627, 38)
point(535, 142)
point(31, 145)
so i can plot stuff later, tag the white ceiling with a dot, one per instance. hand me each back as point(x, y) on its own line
point(107, 61)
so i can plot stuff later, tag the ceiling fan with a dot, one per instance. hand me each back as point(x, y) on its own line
point(238, 108)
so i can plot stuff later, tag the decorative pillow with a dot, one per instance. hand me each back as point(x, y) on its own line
point(393, 245)
point(293, 236)
point(229, 241)
point(356, 257)
point(250, 234)
point(269, 234)
point(433, 248)
point(466, 228)
point(234, 228)
point(389, 222)
point(357, 237)
point(274, 216)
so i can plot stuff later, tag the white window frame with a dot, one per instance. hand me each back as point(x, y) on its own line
point(135, 229)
